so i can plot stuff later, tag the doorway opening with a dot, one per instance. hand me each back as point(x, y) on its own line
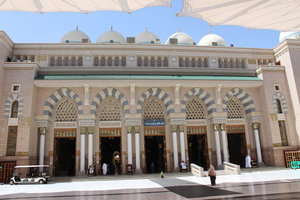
point(109, 147)
point(155, 154)
point(198, 152)
point(64, 160)
point(237, 148)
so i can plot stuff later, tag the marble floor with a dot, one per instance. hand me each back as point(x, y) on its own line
point(275, 184)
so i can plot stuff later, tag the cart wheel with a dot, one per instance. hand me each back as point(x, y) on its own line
point(11, 182)
point(41, 181)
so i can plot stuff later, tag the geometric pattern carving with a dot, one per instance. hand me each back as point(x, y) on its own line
point(110, 111)
point(194, 110)
point(59, 94)
point(234, 109)
point(66, 111)
point(109, 92)
point(203, 95)
point(159, 93)
point(282, 100)
point(11, 141)
point(153, 110)
point(241, 95)
point(8, 103)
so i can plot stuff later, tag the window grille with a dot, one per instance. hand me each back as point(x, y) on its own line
point(194, 110)
point(234, 109)
point(279, 107)
point(14, 109)
point(66, 111)
point(80, 61)
point(123, 61)
point(153, 110)
point(110, 111)
point(11, 141)
point(117, 61)
point(73, 60)
point(282, 131)
point(166, 64)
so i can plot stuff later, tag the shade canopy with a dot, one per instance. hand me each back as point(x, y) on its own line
point(80, 6)
point(282, 15)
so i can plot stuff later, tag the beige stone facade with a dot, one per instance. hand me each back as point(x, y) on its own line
point(203, 105)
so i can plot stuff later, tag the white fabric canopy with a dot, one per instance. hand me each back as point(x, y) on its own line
point(282, 15)
point(81, 6)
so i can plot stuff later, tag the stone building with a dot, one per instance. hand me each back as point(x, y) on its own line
point(134, 101)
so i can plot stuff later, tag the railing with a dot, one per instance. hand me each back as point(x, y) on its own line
point(197, 170)
point(232, 168)
point(291, 156)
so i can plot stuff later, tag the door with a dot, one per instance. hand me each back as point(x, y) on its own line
point(197, 147)
point(237, 148)
point(155, 153)
point(108, 146)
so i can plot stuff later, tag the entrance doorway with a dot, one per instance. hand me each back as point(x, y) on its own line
point(64, 161)
point(237, 148)
point(155, 153)
point(197, 146)
point(108, 146)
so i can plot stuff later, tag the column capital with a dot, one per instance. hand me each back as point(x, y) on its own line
point(90, 129)
point(43, 130)
point(181, 127)
point(129, 129)
point(223, 127)
point(255, 126)
point(137, 129)
point(82, 130)
point(174, 128)
point(216, 127)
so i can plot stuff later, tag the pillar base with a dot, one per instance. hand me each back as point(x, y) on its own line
point(261, 164)
point(81, 173)
point(176, 169)
point(138, 171)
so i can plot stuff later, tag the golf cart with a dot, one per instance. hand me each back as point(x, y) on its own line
point(32, 174)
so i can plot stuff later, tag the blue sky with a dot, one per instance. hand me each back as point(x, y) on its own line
point(26, 27)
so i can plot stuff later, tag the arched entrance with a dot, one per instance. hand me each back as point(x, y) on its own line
point(197, 146)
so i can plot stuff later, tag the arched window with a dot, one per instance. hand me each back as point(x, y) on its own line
point(153, 110)
point(25, 58)
point(96, 61)
point(234, 109)
point(109, 61)
point(52, 61)
point(205, 62)
point(123, 61)
point(80, 61)
point(225, 63)
point(193, 62)
point(110, 110)
point(159, 61)
point(187, 62)
point(66, 111)
point(152, 61)
point(59, 61)
point(139, 61)
point(166, 63)
point(32, 58)
point(146, 61)
point(73, 61)
point(194, 110)
point(180, 62)
point(279, 107)
point(117, 61)
point(66, 61)
point(199, 62)
point(102, 61)
point(14, 109)
point(258, 62)
point(231, 63)
point(220, 63)
point(243, 64)
point(265, 62)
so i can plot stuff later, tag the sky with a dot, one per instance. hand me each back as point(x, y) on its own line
point(27, 27)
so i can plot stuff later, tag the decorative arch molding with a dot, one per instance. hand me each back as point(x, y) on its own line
point(59, 94)
point(159, 93)
point(109, 92)
point(241, 95)
point(203, 95)
point(8, 103)
point(283, 102)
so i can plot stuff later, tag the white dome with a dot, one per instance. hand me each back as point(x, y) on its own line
point(182, 39)
point(111, 35)
point(289, 35)
point(209, 39)
point(146, 38)
point(75, 37)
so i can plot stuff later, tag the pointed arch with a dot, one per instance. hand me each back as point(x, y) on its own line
point(203, 95)
point(59, 94)
point(109, 92)
point(241, 95)
point(282, 100)
point(159, 93)
point(8, 103)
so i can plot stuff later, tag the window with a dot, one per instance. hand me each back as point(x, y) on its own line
point(67, 61)
point(279, 107)
point(59, 62)
point(66, 111)
point(277, 87)
point(194, 110)
point(15, 88)
point(80, 61)
point(159, 61)
point(234, 109)
point(73, 61)
point(180, 62)
point(11, 141)
point(102, 61)
point(282, 131)
point(123, 61)
point(109, 61)
point(152, 62)
point(110, 110)
point(139, 61)
point(14, 109)
point(166, 64)
point(146, 61)
point(96, 61)
point(52, 61)
point(187, 62)
point(117, 61)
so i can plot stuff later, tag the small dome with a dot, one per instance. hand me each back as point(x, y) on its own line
point(182, 39)
point(111, 37)
point(289, 35)
point(212, 40)
point(75, 37)
point(147, 38)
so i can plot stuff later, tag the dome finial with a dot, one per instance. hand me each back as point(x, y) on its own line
point(77, 28)
point(178, 30)
point(145, 29)
point(111, 28)
point(209, 32)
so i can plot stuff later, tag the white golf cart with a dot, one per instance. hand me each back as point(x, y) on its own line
point(32, 174)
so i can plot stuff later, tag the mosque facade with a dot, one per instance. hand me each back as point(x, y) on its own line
point(135, 102)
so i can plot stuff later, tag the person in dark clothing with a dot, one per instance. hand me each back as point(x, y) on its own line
point(212, 174)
